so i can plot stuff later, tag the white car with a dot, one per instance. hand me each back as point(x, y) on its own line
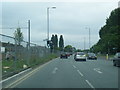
point(80, 56)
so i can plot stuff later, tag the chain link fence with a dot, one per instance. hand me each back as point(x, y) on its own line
point(16, 58)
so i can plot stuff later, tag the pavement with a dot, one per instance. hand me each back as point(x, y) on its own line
point(68, 73)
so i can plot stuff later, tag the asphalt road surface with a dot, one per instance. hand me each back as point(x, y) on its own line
point(68, 73)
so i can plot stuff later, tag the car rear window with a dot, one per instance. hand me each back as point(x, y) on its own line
point(118, 54)
point(81, 53)
point(91, 54)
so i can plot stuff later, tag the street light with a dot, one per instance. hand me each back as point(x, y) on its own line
point(89, 37)
point(48, 23)
point(84, 43)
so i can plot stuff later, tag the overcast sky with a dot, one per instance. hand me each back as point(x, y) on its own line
point(70, 19)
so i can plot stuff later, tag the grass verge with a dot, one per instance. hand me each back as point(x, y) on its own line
point(11, 67)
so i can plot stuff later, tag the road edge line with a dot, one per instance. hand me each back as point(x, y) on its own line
point(26, 76)
point(15, 75)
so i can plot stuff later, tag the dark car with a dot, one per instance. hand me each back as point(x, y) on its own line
point(91, 56)
point(116, 59)
point(68, 54)
point(63, 55)
point(71, 54)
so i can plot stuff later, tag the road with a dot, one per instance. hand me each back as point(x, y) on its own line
point(67, 73)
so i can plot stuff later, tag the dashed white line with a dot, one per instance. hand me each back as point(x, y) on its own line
point(97, 70)
point(74, 66)
point(89, 84)
point(79, 72)
point(55, 70)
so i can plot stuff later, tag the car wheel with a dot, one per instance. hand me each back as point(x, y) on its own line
point(117, 64)
point(114, 64)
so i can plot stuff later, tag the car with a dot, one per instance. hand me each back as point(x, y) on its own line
point(116, 59)
point(68, 54)
point(63, 55)
point(80, 56)
point(91, 56)
point(71, 54)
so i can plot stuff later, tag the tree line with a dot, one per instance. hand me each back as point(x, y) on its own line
point(56, 44)
point(109, 42)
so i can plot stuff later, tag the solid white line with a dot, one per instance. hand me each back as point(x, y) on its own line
point(15, 75)
point(27, 75)
point(89, 84)
point(24, 71)
point(79, 72)
point(74, 66)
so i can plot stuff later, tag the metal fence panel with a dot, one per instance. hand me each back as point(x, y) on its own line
point(18, 57)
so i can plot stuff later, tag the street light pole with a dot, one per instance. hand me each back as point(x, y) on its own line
point(28, 42)
point(48, 8)
point(89, 39)
point(28, 34)
point(48, 23)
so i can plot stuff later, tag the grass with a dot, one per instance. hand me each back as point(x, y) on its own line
point(105, 56)
point(10, 67)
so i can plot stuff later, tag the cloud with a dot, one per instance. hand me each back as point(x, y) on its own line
point(68, 19)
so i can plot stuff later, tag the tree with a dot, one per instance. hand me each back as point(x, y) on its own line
point(18, 36)
point(109, 35)
point(74, 49)
point(78, 50)
point(68, 48)
point(52, 43)
point(56, 42)
point(53, 39)
point(61, 43)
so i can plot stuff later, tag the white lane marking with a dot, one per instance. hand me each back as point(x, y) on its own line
point(54, 70)
point(15, 75)
point(89, 84)
point(97, 70)
point(74, 66)
point(79, 72)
